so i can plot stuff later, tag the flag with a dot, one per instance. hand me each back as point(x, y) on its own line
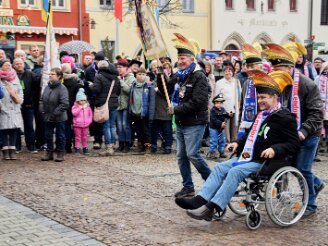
point(50, 59)
point(149, 33)
point(118, 9)
point(44, 10)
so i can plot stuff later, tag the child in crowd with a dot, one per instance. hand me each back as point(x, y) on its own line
point(217, 124)
point(82, 118)
point(142, 109)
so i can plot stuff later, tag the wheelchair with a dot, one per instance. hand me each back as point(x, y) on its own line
point(279, 186)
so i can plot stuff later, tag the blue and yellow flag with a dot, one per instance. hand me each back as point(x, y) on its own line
point(45, 10)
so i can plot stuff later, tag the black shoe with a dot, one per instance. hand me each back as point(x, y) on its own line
point(86, 151)
point(69, 151)
point(120, 146)
point(309, 212)
point(167, 151)
point(318, 189)
point(153, 150)
point(184, 192)
point(190, 203)
point(126, 147)
point(202, 213)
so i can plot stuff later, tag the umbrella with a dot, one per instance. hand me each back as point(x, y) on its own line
point(75, 47)
point(212, 55)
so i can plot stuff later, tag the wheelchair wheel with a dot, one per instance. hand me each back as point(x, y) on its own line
point(286, 196)
point(253, 219)
point(219, 215)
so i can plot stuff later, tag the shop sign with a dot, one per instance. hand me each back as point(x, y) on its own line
point(22, 20)
point(6, 12)
point(6, 21)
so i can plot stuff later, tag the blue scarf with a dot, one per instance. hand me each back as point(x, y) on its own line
point(249, 108)
point(175, 99)
point(182, 73)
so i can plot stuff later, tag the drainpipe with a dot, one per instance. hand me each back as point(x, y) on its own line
point(211, 25)
point(310, 27)
point(80, 18)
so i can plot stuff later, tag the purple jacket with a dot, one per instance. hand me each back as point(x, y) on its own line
point(82, 117)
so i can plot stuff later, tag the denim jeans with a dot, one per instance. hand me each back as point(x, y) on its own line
point(60, 135)
point(217, 141)
point(109, 127)
point(189, 140)
point(124, 132)
point(9, 137)
point(304, 163)
point(223, 182)
point(165, 128)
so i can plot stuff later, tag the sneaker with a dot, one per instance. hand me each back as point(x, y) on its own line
point(184, 192)
point(77, 151)
point(96, 146)
point(32, 151)
point(318, 189)
point(86, 151)
point(309, 212)
point(44, 147)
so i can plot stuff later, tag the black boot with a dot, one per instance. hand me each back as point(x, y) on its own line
point(49, 155)
point(126, 147)
point(60, 156)
point(12, 154)
point(190, 203)
point(120, 146)
point(5, 153)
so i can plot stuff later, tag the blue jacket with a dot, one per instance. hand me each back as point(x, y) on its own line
point(2, 93)
point(148, 101)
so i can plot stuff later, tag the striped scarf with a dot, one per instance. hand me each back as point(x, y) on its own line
point(8, 76)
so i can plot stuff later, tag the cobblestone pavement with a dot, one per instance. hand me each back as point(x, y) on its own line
point(128, 200)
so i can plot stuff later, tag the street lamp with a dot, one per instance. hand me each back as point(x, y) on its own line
point(93, 24)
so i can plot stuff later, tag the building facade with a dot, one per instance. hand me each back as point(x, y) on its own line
point(320, 26)
point(188, 17)
point(236, 22)
point(21, 24)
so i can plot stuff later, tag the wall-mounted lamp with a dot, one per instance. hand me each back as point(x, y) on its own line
point(92, 23)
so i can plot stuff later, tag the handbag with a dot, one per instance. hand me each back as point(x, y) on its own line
point(101, 114)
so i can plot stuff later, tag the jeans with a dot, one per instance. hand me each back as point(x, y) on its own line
point(28, 118)
point(60, 135)
point(189, 140)
point(165, 128)
point(109, 127)
point(124, 132)
point(304, 163)
point(217, 141)
point(9, 137)
point(223, 182)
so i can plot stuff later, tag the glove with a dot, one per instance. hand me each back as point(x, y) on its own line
point(170, 110)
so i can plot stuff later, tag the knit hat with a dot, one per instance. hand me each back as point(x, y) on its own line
point(3, 61)
point(80, 96)
point(99, 56)
point(218, 98)
point(70, 60)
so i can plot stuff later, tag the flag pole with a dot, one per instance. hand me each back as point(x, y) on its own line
point(117, 40)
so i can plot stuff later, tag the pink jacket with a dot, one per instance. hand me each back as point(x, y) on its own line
point(82, 117)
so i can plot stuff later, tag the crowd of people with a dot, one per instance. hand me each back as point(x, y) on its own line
point(199, 97)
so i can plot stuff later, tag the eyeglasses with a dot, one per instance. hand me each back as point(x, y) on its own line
point(319, 62)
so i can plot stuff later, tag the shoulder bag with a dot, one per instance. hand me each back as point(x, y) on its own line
point(101, 114)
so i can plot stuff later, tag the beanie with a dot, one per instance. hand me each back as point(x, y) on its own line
point(99, 56)
point(81, 95)
point(70, 60)
point(3, 61)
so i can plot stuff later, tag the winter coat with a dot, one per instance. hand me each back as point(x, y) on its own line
point(82, 117)
point(54, 102)
point(72, 83)
point(2, 91)
point(242, 77)
point(217, 117)
point(126, 83)
point(311, 106)
point(161, 112)
point(279, 132)
point(148, 101)
point(101, 87)
point(10, 112)
point(193, 107)
point(31, 87)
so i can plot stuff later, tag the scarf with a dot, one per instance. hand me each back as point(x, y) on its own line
point(175, 99)
point(295, 105)
point(8, 76)
point(322, 81)
point(306, 71)
point(247, 154)
point(249, 108)
point(182, 73)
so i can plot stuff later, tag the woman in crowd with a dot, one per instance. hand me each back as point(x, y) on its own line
point(10, 114)
point(53, 107)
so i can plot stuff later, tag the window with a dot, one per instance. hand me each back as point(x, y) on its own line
point(188, 6)
point(324, 12)
point(228, 4)
point(270, 5)
point(292, 5)
point(162, 4)
point(4, 4)
point(29, 3)
point(58, 4)
point(250, 4)
point(106, 4)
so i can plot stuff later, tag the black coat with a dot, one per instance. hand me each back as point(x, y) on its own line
point(73, 85)
point(101, 86)
point(193, 107)
point(217, 117)
point(54, 102)
point(279, 132)
point(31, 88)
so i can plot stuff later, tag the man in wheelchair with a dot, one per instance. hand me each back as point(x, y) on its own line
point(273, 135)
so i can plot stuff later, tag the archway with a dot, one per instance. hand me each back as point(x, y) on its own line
point(233, 39)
